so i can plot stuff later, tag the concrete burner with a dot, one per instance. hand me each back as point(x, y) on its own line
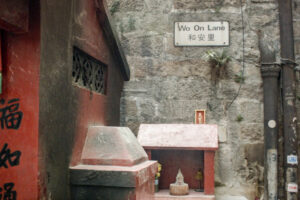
point(189, 147)
point(113, 166)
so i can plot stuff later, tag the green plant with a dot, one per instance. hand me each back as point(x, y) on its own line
point(218, 59)
point(239, 78)
point(115, 7)
point(239, 118)
point(218, 62)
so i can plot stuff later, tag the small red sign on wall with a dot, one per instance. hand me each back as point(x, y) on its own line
point(199, 116)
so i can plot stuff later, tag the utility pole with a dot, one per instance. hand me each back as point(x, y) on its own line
point(288, 92)
point(270, 73)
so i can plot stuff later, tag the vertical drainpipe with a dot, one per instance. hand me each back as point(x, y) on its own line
point(289, 110)
point(270, 73)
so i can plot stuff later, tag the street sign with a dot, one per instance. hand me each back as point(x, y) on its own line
point(201, 33)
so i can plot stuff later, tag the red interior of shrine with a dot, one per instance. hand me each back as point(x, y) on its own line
point(189, 161)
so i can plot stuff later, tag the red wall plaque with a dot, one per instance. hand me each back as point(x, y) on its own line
point(199, 116)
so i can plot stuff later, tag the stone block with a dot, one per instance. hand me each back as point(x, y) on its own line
point(252, 111)
point(147, 110)
point(259, 21)
point(254, 153)
point(229, 197)
point(296, 9)
point(296, 27)
point(137, 88)
point(181, 111)
point(140, 67)
point(241, 192)
point(206, 4)
point(262, 1)
point(146, 46)
point(129, 107)
point(182, 68)
point(252, 132)
point(125, 5)
point(224, 164)
point(222, 133)
point(132, 123)
point(180, 88)
point(297, 46)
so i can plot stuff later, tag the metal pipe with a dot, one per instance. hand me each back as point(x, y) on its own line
point(288, 92)
point(270, 74)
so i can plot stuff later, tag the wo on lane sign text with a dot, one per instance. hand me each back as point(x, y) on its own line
point(202, 33)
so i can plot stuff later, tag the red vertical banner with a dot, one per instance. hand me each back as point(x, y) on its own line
point(19, 110)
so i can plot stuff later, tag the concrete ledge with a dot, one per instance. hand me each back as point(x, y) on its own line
point(164, 195)
point(116, 176)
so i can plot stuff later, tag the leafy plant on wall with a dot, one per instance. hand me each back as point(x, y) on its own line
point(218, 62)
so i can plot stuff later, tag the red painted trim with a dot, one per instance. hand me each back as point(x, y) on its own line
point(209, 173)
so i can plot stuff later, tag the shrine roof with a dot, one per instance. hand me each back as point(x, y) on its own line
point(179, 136)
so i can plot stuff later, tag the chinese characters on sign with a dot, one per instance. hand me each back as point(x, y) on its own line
point(10, 117)
point(7, 192)
point(6, 157)
point(201, 33)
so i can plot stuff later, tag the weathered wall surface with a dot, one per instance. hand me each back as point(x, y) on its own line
point(67, 110)
point(296, 14)
point(168, 83)
point(296, 26)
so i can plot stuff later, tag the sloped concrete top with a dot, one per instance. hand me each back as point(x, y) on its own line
point(178, 136)
point(112, 146)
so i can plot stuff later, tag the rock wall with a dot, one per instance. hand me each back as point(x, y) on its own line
point(169, 83)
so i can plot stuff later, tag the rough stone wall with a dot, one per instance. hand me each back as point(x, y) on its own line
point(296, 14)
point(296, 19)
point(169, 83)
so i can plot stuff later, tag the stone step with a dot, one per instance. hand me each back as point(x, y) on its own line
point(193, 195)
